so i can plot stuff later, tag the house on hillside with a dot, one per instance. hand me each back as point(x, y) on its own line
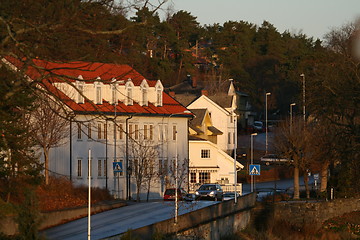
point(229, 109)
point(208, 162)
point(120, 116)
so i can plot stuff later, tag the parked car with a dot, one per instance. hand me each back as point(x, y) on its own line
point(273, 158)
point(230, 195)
point(169, 194)
point(209, 191)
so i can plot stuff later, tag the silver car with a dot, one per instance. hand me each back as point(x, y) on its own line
point(209, 191)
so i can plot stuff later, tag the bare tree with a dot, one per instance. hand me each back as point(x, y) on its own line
point(48, 127)
point(144, 156)
point(291, 143)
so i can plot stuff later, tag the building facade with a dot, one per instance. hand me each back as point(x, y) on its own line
point(134, 133)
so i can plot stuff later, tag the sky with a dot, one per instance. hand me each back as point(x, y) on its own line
point(314, 18)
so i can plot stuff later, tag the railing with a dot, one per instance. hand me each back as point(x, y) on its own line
point(225, 187)
point(231, 188)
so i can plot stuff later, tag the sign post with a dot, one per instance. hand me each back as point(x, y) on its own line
point(254, 169)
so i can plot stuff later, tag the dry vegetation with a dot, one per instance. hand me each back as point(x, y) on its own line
point(61, 194)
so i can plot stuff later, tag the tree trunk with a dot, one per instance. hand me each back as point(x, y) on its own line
point(138, 186)
point(306, 182)
point(46, 160)
point(296, 183)
point(324, 176)
point(148, 191)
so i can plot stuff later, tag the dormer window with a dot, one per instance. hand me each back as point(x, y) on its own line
point(114, 89)
point(159, 96)
point(129, 92)
point(80, 90)
point(98, 93)
point(114, 94)
point(144, 93)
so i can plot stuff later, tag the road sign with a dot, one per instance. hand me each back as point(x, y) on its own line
point(254, 169)
point(117, 167)
point(316, 176)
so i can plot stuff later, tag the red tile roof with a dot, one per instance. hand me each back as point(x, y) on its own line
point(60, 72)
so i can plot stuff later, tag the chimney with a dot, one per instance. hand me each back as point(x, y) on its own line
point(194, 82)
point(204, 92)
point(172, 94)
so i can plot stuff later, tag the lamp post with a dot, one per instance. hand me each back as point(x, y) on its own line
point(89, 195)
point(266, 122)
point(176, 168)
point(235, 146)
point(303, 82)
point(291, 114)
point(252, 159)
point(115, 128)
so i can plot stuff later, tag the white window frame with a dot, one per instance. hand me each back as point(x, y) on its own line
point(80, 86)
point(205, 154)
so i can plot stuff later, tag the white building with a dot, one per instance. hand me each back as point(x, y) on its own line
point(223, 118)
point(115, 110)
point(208, 162)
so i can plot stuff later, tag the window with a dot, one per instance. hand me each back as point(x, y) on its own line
point(115, 134)
point(174, 133)
point(193, 177)
point(145, 132)
point(161, 136)
point(151, 128)
point(121, 131)
point(131, 130)
point(79, 130)
point(98, 95)
point(165, 165)
point(144, 98)
point(89, 130)
point(79, 168)
point(80, 92)
point(99, 168)
point(158, 97)
point(105, 130)
point(204, 177)
point(105, 168)
point(205, 153)
point(136, 131)
point(99, 130)
point(229, 138)
point(129, 96)
point(160, 166)
point(114, 95)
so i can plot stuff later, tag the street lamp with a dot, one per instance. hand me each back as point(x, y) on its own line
point(303, 81)
point(176, 168)
point(252, 159)
point(115, 128)
point(235, 146)
point(266, 122)
point(291, 114)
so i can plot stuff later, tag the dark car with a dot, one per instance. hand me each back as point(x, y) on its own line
point(169, 194)
point(209, 191)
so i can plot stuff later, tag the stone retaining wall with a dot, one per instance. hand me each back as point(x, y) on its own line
point(314, 213)
point(53, 218)
point(207, 223)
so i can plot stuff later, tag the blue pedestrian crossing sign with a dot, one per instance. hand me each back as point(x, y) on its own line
point(117, 167)
point(254, 169)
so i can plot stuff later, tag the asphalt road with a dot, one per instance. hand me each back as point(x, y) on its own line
point(119, 220)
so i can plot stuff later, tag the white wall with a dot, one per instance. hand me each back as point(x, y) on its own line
point(221, 119)
point(102, 150)
point(219, 161)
